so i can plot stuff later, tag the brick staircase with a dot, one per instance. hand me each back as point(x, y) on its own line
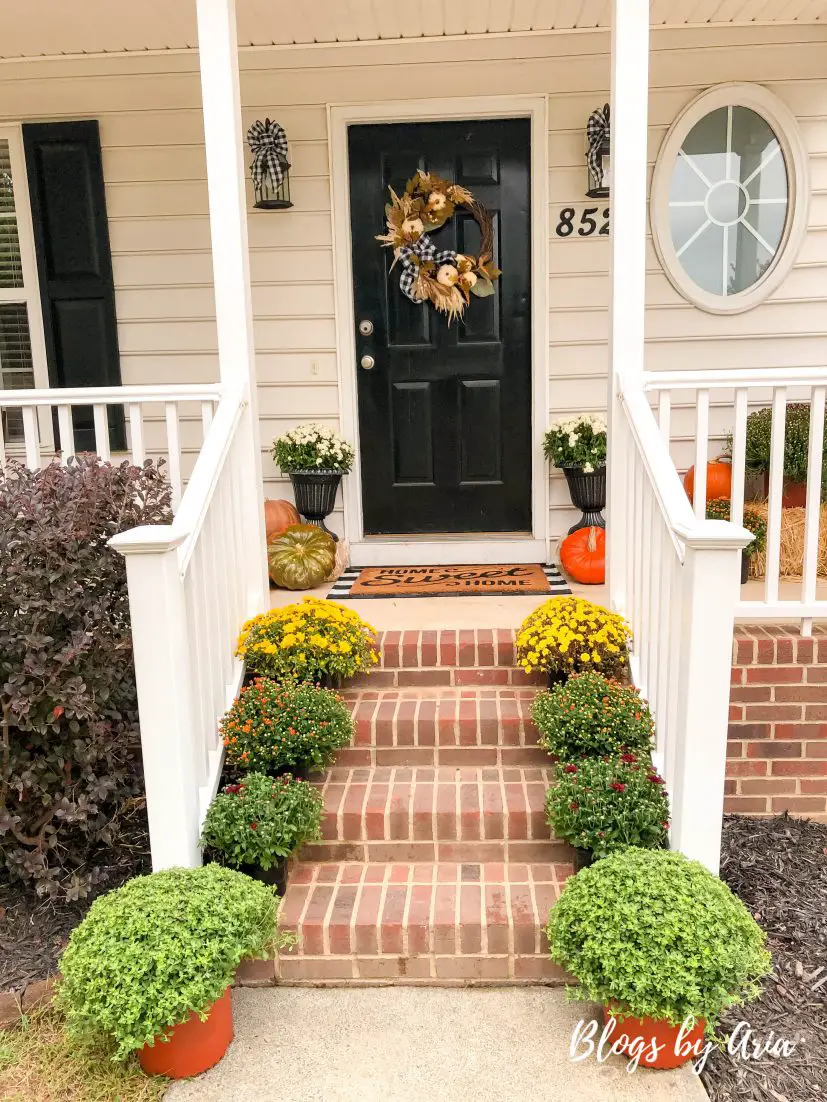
point(436, 864)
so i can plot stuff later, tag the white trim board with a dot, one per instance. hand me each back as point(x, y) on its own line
point(425, 552)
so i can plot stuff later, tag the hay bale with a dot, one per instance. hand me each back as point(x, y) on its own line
point(792, 543)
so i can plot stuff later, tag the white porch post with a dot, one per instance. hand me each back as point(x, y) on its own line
point(709, 593)
point(224, 146)
point(162, 674)
point(629, 126)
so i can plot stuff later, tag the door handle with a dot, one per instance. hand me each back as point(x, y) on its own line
point(367, 362)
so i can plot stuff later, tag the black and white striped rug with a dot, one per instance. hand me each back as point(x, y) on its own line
point(343, 586)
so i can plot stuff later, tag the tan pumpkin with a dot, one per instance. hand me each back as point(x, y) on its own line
point(302, 557)
point(278, 516)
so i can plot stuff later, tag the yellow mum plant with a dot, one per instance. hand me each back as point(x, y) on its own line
point(310, 641)
point(569, 634)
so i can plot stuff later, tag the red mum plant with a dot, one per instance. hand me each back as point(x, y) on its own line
point(605, 805)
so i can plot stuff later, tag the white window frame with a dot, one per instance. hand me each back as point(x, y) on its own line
point(30, 291)
point(786, 129)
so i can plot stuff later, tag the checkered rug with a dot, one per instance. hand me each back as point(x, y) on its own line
point(451, 581)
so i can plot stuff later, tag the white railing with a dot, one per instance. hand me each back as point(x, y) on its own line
point(192, 584)
point(675, 578)
point(169, 422)
point(697, 412)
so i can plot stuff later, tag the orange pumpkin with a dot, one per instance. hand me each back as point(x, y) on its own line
point(583, 555)
point(278, 516)
point(718, 481)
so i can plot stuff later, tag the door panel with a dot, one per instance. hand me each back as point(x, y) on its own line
point(445, 414)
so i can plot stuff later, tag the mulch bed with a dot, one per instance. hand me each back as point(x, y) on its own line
point(779, 868)
point(34, 930)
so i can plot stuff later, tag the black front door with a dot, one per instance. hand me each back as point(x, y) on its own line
point(445, 412)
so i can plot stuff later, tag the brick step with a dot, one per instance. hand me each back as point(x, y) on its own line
point(420, 923)
point(470, 806)
point(436, 726)
point(449, 657)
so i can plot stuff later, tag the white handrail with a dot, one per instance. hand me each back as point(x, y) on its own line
point(208, 467)
point(726, 379)
point(110, 395)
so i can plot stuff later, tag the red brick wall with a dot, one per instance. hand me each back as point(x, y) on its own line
point(778, 722)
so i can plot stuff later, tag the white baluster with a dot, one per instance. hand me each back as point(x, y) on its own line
point(773, 569)
point(136, 434)
point(173, 451)
point(2, 442)
point(101, 419)
point(739, 452)
point(66, 431)
point(206, 416)
point(812, 514)
point(31, 437)
point(665, 416)
point(701, 453)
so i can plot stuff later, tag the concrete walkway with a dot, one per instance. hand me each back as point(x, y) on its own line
point(405, 1044)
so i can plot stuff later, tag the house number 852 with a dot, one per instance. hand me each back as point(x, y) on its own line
point(592, 220)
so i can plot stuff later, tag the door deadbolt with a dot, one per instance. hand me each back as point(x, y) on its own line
point(366, 327)
point(368, 362)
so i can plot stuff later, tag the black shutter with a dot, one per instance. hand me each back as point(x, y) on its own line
point(74, 264)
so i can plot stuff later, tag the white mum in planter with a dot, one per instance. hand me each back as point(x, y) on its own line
point(313, 447)
point(577, 442)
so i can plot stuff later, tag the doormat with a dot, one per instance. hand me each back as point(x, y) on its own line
point(449, 581)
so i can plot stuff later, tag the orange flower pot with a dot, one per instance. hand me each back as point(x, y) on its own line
point(193, 1046)
point(648, 1032)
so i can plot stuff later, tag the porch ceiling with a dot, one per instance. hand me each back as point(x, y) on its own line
point(48, 28)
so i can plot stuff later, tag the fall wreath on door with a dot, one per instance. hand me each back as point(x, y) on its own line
point(445, 278)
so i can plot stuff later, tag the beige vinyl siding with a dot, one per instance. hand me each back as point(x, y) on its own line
point(151, 130)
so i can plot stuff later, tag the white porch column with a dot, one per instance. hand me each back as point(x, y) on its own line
point(224, 146)
point(629, 127)
point(162, 674)
point(709, 594)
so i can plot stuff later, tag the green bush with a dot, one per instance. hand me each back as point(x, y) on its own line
point(262, 819)
point(657, 935)
point(796, 442)
point(591, 716)
point(272, 727)
point(163, 946)
point(605, 805)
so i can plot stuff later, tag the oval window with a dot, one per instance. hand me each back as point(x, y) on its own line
point(725, 200)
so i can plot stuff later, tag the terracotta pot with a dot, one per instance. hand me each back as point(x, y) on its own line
point(663, 1034)
point(793, 494)
point(193, 1046)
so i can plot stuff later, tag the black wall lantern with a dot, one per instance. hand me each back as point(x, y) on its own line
point(599, 155)
point(270, 168)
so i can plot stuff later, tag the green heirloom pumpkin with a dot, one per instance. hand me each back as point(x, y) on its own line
point(302, 557)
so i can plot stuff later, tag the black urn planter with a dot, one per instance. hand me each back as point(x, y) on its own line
point(557, 677)
point(744, 567)
point(588, 494)
point(582, 858)
point(275, 876)
point(315, 493)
